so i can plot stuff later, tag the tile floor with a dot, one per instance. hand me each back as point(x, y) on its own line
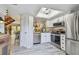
point(39, 49)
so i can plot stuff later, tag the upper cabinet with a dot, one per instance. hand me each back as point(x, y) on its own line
point(51, 22)
point(61, 19)
point(48, 23)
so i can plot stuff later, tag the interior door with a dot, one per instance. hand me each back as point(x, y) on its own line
point(26, 35)
point(24, 31)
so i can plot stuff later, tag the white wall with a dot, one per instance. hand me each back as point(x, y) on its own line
point(2, 14)
point(16, 18)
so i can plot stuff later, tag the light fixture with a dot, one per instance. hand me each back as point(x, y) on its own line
point(46, 11)
point(1, 20)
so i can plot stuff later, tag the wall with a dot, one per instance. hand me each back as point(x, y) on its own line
point(2, 14)
point(16, 18)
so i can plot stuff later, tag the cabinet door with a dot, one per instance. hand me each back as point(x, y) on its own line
point(49, 24)
point(61, 19)
point(45, 37)
point(26, 35)
point(24, 30)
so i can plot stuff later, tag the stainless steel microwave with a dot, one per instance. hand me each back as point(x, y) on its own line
point(58, 24)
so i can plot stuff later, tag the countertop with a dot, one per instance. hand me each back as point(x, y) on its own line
point(48, 32)
point(57, 34)
point(41, 32)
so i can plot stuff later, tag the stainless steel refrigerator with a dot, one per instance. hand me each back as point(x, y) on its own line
point(72, 33)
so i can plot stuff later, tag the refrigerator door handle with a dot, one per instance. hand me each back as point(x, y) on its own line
point(77, 27)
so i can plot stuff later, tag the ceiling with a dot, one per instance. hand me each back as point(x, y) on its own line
point(48, 13)
point(33, 9)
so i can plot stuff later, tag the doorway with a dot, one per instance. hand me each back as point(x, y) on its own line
point(13, 29)
point(15, 33)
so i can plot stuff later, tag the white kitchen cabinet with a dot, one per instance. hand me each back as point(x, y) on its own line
point(62, 40)
point(61, 19)
point(45, 37)
point(36, 38)
point(50, 23)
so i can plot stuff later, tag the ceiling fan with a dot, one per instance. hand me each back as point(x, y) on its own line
point(46, 11)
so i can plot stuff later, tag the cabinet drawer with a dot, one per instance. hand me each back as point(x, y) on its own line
point(48, 38)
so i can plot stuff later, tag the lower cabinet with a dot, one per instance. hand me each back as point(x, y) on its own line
point(36, 38)
point(45, 37)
